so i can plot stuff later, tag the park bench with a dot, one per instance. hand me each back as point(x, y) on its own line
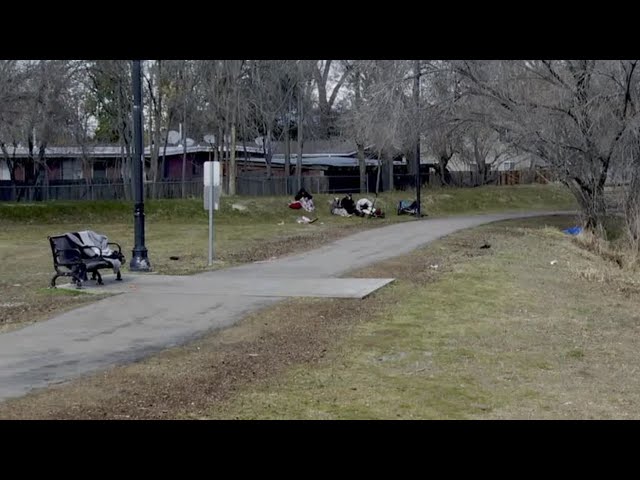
point(72, 258)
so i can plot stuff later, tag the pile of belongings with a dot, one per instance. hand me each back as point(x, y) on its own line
point(304, 200)
point(364, 207)
point(405, 207)
point(93, 244)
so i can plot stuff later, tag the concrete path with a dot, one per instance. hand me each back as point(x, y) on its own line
point(243, 285)
point(158, 314)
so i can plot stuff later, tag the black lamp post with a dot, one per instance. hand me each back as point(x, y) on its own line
point(139, 260)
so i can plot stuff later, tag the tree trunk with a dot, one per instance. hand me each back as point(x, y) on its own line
point(323, 104)
point(12, 172)
point(223, 163)
point(220, 151)
point(164, 155)
point(246, 153)
point(29, 171)
point(44, 172)
point(363, 168)
point(227, 155)
point(155, 154)
point(360, 142)
point(183, 76)
point(184, 161)
point(232, 159)
point(152, 146)
point(287, 157)
point(126, 166)
point(268, 153)
point(300, 136)
point(590, 197)
point(155, 117)
point(443, 171)
point(87, 178)
point(481, 164)
point(325, 101)
point(387, 161)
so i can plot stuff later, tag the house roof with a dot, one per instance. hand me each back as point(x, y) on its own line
point(323, 160)
point(329, 147)
point(114, 151)
point(340, 147)
point(344, 159)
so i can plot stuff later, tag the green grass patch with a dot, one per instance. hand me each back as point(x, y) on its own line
point(490, 337)
point(440, 201)
point(500, 333)
point(179, 228)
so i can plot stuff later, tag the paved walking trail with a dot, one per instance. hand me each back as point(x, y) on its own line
point(155, 312)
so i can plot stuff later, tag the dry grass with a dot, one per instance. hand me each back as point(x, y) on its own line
point(463, 333)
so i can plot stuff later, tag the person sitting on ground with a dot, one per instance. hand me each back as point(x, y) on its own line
point(302, 193)
point(364, 206)
point(305, 199)
point(337, 209)
point(348, 204)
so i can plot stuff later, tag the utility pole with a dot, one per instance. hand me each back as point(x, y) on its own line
point(139, 260)
point(416, 96)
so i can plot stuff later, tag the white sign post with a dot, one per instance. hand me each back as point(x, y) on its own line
point(211, 198)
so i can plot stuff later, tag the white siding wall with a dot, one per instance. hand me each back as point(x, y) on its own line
point(4, 171)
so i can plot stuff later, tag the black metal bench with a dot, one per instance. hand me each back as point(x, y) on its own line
point(70, 260)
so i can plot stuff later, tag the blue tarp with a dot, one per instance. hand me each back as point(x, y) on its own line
point(572, 230)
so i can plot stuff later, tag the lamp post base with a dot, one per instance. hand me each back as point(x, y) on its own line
point(140, 261)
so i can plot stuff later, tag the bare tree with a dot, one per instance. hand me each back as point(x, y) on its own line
point(380, 112)
point(187, 79)
point(357, 122)
point(329, 77)
point(272, 85)
point(46, 111)
point(390, 122)
point(12, 110)
point(154, 82)
point(572, 114)
point(110, 82)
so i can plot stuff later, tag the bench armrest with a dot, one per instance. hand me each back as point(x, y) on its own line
point(117, 245)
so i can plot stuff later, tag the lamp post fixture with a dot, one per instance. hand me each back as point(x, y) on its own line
point(139, 260)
